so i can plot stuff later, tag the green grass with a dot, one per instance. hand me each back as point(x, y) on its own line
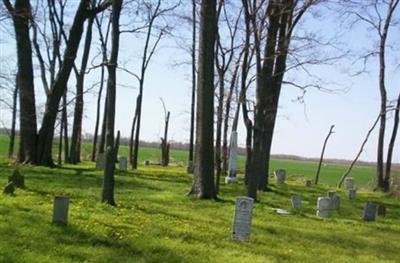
point(155, 222)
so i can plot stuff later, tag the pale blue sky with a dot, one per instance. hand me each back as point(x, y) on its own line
point(300, 128)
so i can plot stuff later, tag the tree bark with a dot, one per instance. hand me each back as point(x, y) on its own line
point(108, 183)
point(322, 154)
point(193, 99)
point(64, 120)
point(203, 185)
point(386, 182)
point(46, 132)
point(165, 144)
point(21, 15)
point(75, 152)
point(96, 129)
point(13, 123)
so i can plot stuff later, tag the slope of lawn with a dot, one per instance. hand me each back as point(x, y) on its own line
point(156, 222)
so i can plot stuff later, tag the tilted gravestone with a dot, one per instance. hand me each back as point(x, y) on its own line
point(232, 165)
point(349, 183)
point(123, 163)
point(324, 207)
point(100, 161)
point(381, 210)
point(280, 176)
point(335, 200)
point(308, 183)
point(60, 210)
point(296, 202)
point(369, 212)
point(352, 194)
point(242, 220)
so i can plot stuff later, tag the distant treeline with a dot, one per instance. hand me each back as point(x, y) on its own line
point(88, 138)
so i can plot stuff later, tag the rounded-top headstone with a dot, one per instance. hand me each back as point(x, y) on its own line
point(323, 207)
point(280, 176)
point(349, 183)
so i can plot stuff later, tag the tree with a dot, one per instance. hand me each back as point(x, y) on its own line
point(108, 183)
point(21, 15)
point(164, 140)
point(203, 184)
point(322, 153)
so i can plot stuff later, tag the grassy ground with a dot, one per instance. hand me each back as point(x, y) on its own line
point(155, 222)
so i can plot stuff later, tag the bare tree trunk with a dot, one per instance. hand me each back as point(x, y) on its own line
point(64, 120)
point(75, 152)
point(21, 14)
point(13, 123)
point(117, 146)
point(96, 129)
point(103, 128)
point(165, 144)
point(203, 183)
point(220, 110)
point(60, 143)
point(131, 140)
point(386, 181)
point(193, 101)
point(108, 183)
point(322, 153)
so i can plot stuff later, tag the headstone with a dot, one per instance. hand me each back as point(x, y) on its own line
point(323, 207)
point(242, 220)
point(147, 162)
point(123, 163)
point(17, 178)
point(308, 183)
point(348, 183)
point(296, 202)
point(100, 161)
point(9, 188)
point(369, 212)
point(60, 210)
point(352, 194)
point(232, 165)
point(335, 200)
point(280, 176)
point(382, 210)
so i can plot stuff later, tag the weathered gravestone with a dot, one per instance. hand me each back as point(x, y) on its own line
point(17, 178)
point(308, 183)
point(123, 163)
point(60, 210)
point(280, 176)
point(349, 183)
point(100, 161)
point(381, 210)
point(369, 212)
point(242, 220)
point(296, 202)
point(335, 200)
point(323, 207)
point(232, 167)
point(147, 162)
point(352, 194)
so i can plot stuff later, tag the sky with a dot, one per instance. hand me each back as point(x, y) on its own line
point(300, 128)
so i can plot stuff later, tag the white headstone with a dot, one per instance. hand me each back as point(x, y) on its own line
point(232, 164)
point(123, 163)
point(296, 202)
point(242, 220)
point(348, 183)
point(280, 176)
point(324, 207)
point(60, 210)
